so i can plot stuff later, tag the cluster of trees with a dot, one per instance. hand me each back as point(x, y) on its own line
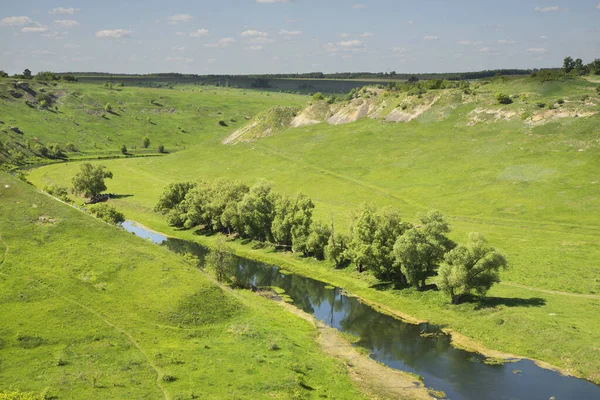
point(41, 76)
point(89, 181)
point(577, 67)
point(379, 241)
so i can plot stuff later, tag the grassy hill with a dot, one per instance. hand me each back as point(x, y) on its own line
point(75, 117)
point(89, 311)
point(523, 174)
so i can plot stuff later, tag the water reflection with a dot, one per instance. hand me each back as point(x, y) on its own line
point(460, 374)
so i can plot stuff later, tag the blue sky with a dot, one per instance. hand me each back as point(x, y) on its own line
point(269, 36)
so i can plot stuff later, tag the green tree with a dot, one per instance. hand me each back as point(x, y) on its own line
point(318, 96)
point(27, 74)
point(317, 240)
point(3, 74)
point(336, 249)
point(123, 149)
point(257, 211)
point(172, 196)
point(161, 148)
point(225, 194)
point(146, 142)
point(503, 98)
point(90, 179)
point(220, 259)
point(362, 236)
point(107, 213)
point(292, 221)
point(389, 228)
point(474, 266)
point(568, 64)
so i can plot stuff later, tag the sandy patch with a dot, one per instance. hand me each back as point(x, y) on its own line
point(481, 115)
point(543, 117)
point(357, 109)
point(400, 115)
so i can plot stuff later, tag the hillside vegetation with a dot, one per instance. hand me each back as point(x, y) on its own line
point(45, 121)
point(524, 174)
point(89, 311)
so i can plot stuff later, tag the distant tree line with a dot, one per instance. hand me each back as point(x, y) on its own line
point(379, 241)
point(41, 76)
point(338, 75)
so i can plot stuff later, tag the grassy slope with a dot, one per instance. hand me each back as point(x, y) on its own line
point(529, 189)
point(121, 313)
point(178, 118)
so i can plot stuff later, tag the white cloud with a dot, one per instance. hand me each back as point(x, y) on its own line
point(61, 10)
point(260, 40)
point(504, 41)
point(180, 33)
point(350, 43)
point(290, 33)
point(598, 6)
point(179, 59)
point(547, 9)
point(366, 34)
point(254, 48)
point(469, 42)
point(178, 18)
point(254, 33)
point(539, 50)
point(179, 48)
point(344, 35)
point(71, 46)
point(41, 53)
point(272, 1)
point(543, 37)
point(485, 50)
point(399, 50)
point(358, 6)
point(352, 46)
point(35, 29)
point(430, 37)
point(198, 33)
point(15, 21)
point(221, 43)
point(113, 33)
point(66, 23)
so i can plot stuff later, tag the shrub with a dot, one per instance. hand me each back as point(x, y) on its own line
point(124, 149)
point(107, 213)
point(107, 107)
point(146, 142)
point(503, 98)
point(541, 104)
point(70, 147)
point(161, 148)
point(560, 101)
point(318, 96)
point(222, 123)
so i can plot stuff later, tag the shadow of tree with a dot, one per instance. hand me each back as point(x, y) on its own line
point(120, 196)
point(492, 302)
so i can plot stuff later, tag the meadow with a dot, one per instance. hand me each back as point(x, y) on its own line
point(530, 186)
point(90, 311)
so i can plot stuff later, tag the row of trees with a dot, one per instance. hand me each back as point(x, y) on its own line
point(577, 67)
point(379, 241)
point(41, 76)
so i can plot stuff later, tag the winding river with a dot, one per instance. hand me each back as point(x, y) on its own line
point(400, 345)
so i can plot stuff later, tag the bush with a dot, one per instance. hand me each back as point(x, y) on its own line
point(146, 142)
point(107, 213)
point(161, 148)
point(70, 147)
point(124, 149)
point(560, 101)
point(318, 96)
point(107, 107)
point(541, 104)
point(503, 98)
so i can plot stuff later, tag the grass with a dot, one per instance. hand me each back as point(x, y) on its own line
point(531, 188)
point(89, 311)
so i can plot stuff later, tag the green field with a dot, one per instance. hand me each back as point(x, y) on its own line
point(525, 177)
point(89, 311)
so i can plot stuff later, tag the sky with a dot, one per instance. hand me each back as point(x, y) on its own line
point(294, 36)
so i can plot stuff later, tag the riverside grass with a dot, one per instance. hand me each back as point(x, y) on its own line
point(89, 311)
point(531, 189)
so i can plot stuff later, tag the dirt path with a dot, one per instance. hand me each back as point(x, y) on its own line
point(533, 289)
point(375, 379)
